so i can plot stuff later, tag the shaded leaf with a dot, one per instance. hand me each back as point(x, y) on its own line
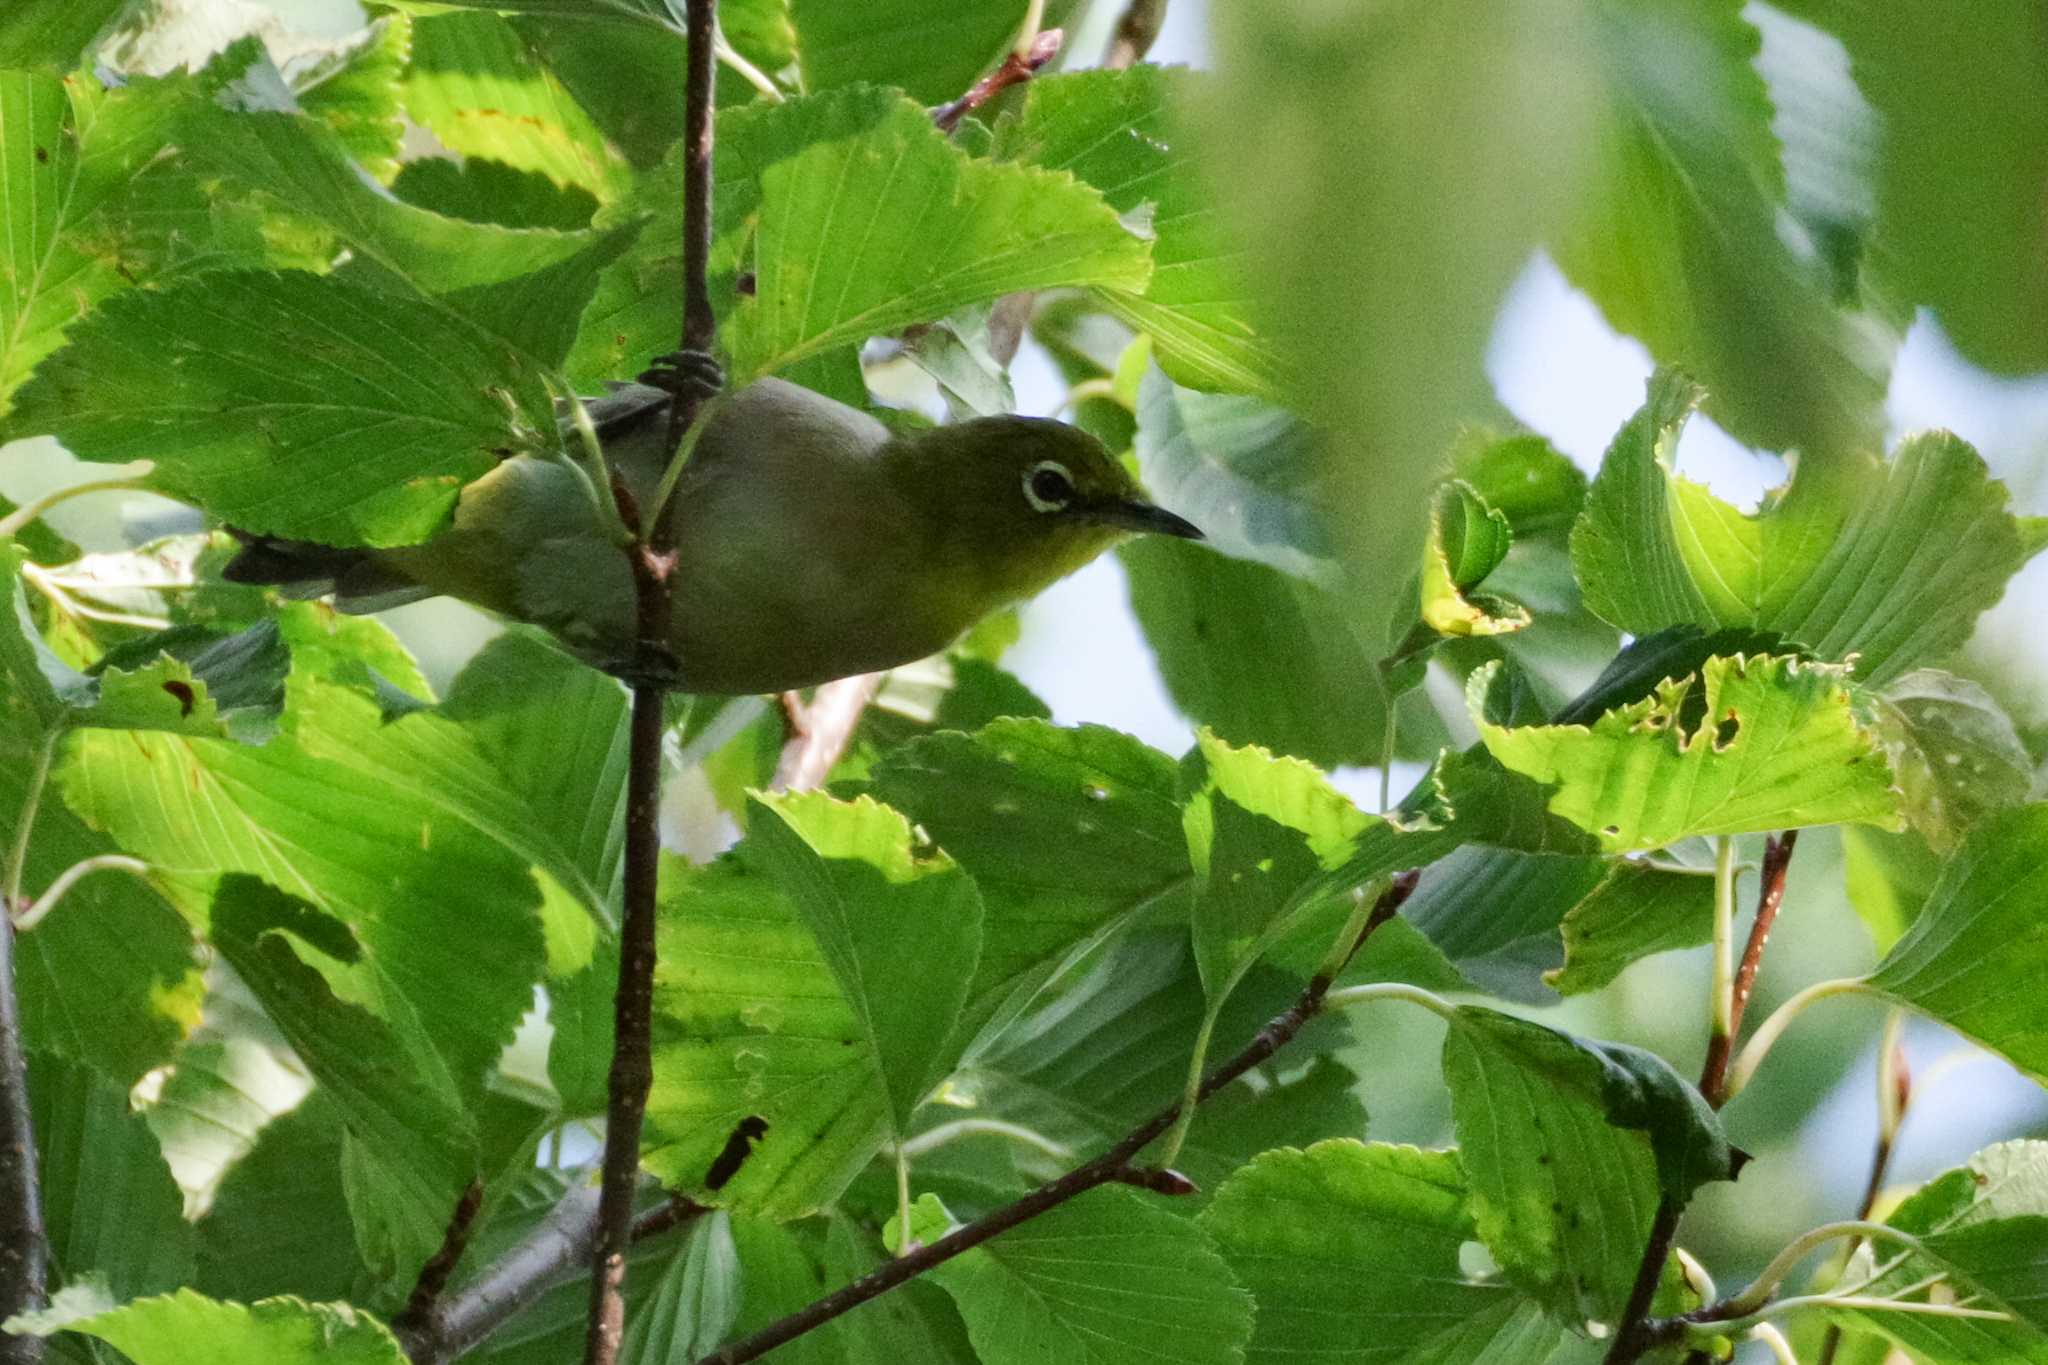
point(1637, 909)
point(1954, 751)
point(1101, 1279)
point(1217, 626)
point(1350, 1251)
point(1975, 958)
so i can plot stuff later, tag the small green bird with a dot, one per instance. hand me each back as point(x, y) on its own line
point(812, 542)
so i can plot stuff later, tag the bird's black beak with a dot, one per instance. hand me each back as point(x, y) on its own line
point(1145, 519)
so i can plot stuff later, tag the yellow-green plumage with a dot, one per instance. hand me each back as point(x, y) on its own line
point(812, 542)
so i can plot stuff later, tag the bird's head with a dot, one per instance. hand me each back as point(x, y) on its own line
point(1016, 503)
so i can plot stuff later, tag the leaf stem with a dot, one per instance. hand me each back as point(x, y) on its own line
point(1894, 1093)
point(1177, 1136)
point(746, 70)
point(13, 522)
point(947, 1133)
point(905, 1243)
point(1721, 1002)
point(1352, 996)
point(17, 857)
point(24, 1247)
point(1780, 1019)
point(1758, 1292)
point(27, 917)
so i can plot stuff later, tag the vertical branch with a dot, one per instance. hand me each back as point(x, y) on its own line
point(24, 1253)
point(1630, 1337)
point(632, 1068)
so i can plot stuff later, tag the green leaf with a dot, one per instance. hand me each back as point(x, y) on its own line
point(1537, 489)
point(1248, 473)
point(474, 84)
point(92, 203)
point(1215, 624)
point(390, 406)
point(110, 977)
point(694, 1303)
point(1102, 1279)
point(1678, 241)
point(1260, 830)
point(190, 1329)
point(409, 1147)
point(110, 1207)
point(1984, 1218)
point(1974, 959)
point(275, 1223)
point(1429, 156)
point(1119, 131)
point(355, 91)
point(1065, 831)
point(933, 50)
point(491, 192)
point(1637, 909)
point(1746, 744)
point(529, 750)
point(1350, 1251)
point(901, 933)
point(869, 220)
point(1956, 754)
point(486, 273)
point(1466, 541)
point(447, 913)
point(1891, 562)
point(1567, 1146)
point(1888, 878)
point(1959, 228)
point(55, 36)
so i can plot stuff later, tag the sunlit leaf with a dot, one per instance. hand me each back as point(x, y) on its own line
point(181, 1328)
point(1888, 562)
point(1746, 744)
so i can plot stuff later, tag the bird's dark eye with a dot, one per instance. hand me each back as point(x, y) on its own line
point(1048, 487)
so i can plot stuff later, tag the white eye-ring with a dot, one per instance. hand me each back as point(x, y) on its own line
point(1048, 487)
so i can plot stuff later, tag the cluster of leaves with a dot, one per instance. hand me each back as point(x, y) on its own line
point(993, 944)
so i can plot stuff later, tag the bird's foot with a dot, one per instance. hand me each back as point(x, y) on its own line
point(686, 374)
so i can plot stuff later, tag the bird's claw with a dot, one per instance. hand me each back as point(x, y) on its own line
point(686, 374)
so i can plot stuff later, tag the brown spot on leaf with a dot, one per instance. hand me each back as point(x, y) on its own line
point(183, 692)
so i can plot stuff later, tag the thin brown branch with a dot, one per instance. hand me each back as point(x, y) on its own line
point(1635, 1333)
point(821, 731)
point(433, 1278)
point(1135, 33)
point(24, 1249)
point(1016, 68)
point(1117, 1165)
point(632, 1066)
point(459, 1322)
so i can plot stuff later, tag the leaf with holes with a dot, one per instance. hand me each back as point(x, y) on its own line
point(1746, 744)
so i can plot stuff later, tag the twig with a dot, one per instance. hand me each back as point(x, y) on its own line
point(1894, 1093)
point(433, 1278)
point(1017, 67)
point(822, 730)
point(632, 1066)
point(1135, 33)
point(1117, 1165)
point(1634, 1334)
point(24, 1250)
